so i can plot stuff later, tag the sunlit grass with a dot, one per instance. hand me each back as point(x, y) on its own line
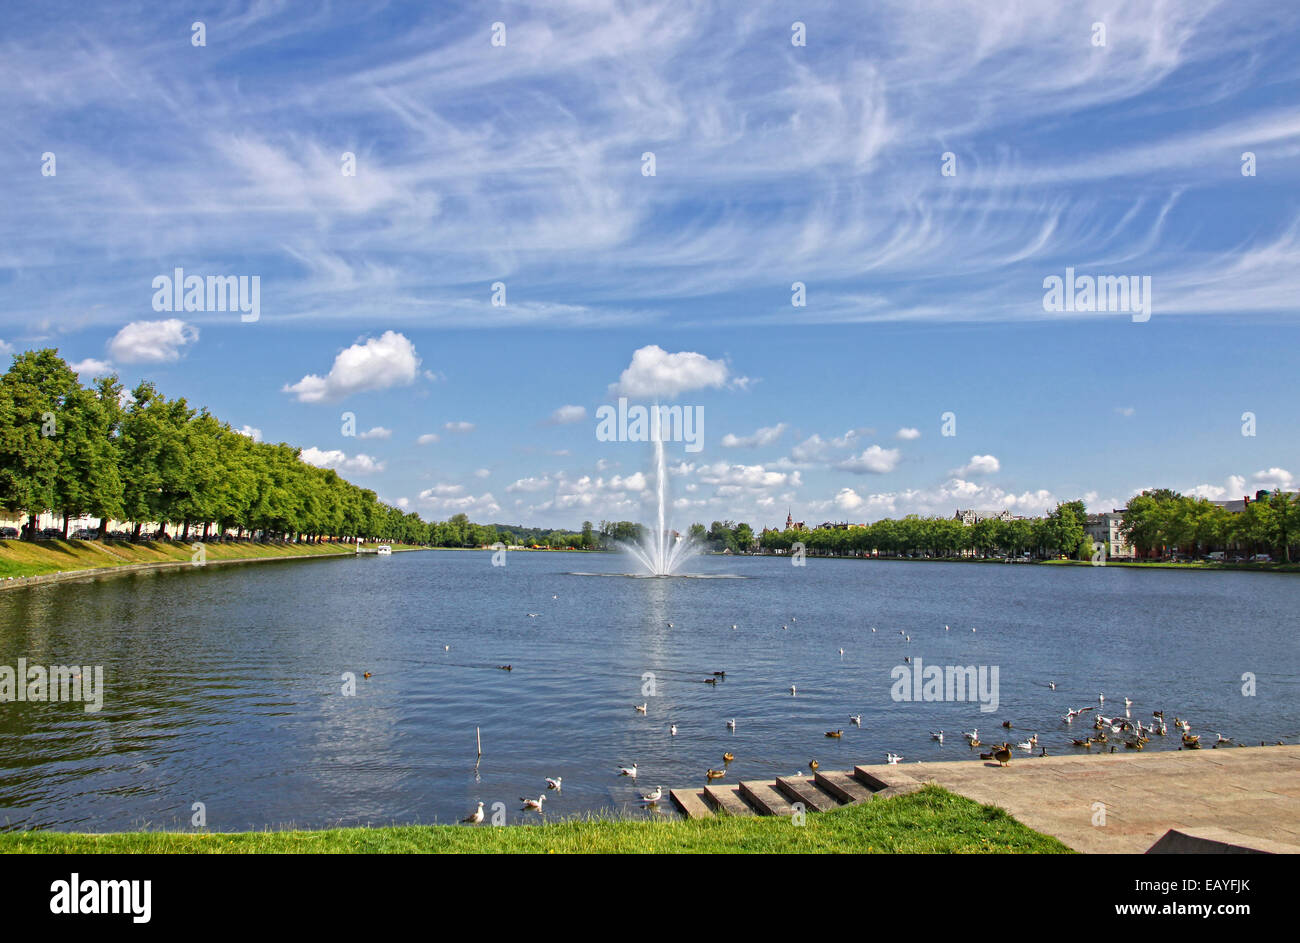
point(932, 821)
point(35, 558)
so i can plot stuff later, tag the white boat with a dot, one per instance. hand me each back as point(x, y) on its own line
point(384, 550)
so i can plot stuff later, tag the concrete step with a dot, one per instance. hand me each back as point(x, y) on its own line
point(727, 798)
point(842, 786)
point(805, 790)
point(887, 779)
point(691, 802)
point(766, 798)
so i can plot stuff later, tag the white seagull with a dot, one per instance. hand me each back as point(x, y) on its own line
point(731, 724)
point(673, 730)
point(936, 736)
point(792, 689)
point(653, 797)
point(475, 817)
point(855, 719)
point(627, 771)
point(894, 759)
point(554, 783)
point(640, 708)
point(534, 804)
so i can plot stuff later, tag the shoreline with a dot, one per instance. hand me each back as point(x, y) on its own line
point(1276, 567)
point(92, 573)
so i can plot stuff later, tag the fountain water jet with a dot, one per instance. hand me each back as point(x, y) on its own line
point(658, 552)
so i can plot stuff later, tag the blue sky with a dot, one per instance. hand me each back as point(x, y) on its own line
point(523, 164)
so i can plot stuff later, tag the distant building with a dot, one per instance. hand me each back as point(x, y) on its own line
point(1239, 506)
point(1107, 528)
point(972, 517)
point(791, 523)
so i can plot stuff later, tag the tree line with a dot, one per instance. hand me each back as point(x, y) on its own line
point(136, 456)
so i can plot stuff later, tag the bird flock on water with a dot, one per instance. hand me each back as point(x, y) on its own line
point(1110, 732)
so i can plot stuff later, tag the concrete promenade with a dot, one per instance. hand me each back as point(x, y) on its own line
point(1253, 791)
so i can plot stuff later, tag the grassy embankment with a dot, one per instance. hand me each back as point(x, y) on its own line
point(36, 558)
point(930, 821)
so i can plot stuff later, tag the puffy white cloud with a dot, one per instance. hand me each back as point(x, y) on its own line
point(873, 460)
point(442, 491)
point(908, 433)
point(427, 439)
point(254, 434)
point(482, 473)
point(846, 499)
point(476, 506)
point(358, 464)
point(654, 372)
point(378, 432)
point(530, 484)
point(458, 426)
point(746, 476)
point(152, 341)
point(566, 415)
point(86, 369)
point(978, 465)
point(1274, 478)
point(764, 436)
point(377, 363)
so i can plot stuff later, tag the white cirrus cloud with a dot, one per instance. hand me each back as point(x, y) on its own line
point(530, 484)
point(378, 432)
point(908, 433)
point(1126, 411)
point(763, 436)
point(336, 459)
point(378, 363)
point(566, 415)
point(483, 473)
point(152, 341)
point(427, 439)
point(655, 372)
point(978, 465)
point(460, 426)
point(871, 461)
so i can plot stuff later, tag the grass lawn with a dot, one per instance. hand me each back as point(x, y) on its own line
point(35, 558)
point(932, 821)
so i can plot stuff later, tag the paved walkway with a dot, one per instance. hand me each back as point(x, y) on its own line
point(1251, 790)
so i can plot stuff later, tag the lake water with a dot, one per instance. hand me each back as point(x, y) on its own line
point(223, 684)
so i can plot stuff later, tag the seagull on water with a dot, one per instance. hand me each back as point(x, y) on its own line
point(533, 615)
point(672, 730)
point(731, 724)
point(534, 804)
point(792, 690)
point(650, 798)
point(475, 817)
point(936, 736)
point(973, 735)
point(554, 783)
point(627, 771)
point(855, 719)
point(893, 758)
point(641, 708)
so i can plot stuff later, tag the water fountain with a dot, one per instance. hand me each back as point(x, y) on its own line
point(659, 553)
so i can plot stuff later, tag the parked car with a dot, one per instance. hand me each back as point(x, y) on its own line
point(83, 533)
point(50, 533)
point(8, 533)
point(1261, 558)
point(1216, 556)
